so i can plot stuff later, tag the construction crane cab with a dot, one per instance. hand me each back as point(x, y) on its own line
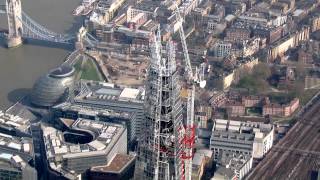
point(198, 76)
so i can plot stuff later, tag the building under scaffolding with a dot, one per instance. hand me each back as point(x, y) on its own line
point(161, 152)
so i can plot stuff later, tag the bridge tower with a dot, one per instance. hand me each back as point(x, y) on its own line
point(80, 38)
point(14, 14)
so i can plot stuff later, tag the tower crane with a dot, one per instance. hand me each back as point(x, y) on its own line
point(188, 137)
point(198, 76)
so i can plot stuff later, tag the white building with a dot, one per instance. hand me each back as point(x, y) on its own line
point(262, 143)
point(247, 138)
point(223, 49)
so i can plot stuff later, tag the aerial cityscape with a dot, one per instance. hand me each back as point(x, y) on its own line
point(160, 90)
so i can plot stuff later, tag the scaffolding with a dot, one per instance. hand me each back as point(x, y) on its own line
point(159, 150)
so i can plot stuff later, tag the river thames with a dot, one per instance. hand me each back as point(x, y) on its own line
point(20, 67)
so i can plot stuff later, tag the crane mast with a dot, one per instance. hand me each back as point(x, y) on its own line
point(188, 138)
point(188, 69)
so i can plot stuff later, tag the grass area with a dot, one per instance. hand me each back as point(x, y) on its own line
point(281, 98)
point(87, 69)
point(254, 111)
point(307, 95)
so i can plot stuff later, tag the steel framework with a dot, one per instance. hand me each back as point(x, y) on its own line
point(33, 30)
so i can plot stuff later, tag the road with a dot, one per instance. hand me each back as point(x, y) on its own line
point(297, 153)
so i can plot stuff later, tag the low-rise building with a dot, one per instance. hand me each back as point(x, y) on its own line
point(14, 167)
point(202, 116)
point(280, 47)
point(218, 99)
point(233, 166)
point(17, 153)
point(235, 108)
point(120, 167)
point(234, 34)
point(222, 48)
point(315, 23)
point(240, 137)
point(279, 110)
point(251, 101)
point(202, 160)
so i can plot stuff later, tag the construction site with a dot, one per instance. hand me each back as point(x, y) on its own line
point(126, 69)
point(165, 151)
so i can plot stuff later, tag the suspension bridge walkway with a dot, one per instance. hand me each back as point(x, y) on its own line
point(33, 30)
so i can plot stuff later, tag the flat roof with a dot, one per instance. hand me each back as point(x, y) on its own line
point(129, 93)
point(94, 90)
point(119, 162)
point(58, 149)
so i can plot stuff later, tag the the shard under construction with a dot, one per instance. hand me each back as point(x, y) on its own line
point(162, 152)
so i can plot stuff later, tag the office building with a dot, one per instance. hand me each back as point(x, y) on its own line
point(247, 138)
point(84, 145)
point(101, 99)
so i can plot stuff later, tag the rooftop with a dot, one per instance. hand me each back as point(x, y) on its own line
point(17, 145)
point(11, 161)
point(91, 90)
point(232, 129)
point(117, 164)
point(16, 117)
point(62, 71)
point(234, 161)
point(104, 134)
point(90, 110)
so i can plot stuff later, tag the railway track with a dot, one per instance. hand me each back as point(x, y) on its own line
point(291, 159)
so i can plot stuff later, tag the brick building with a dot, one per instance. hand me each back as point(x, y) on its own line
point(251, 101)
point(217, 100)
point(237, 34)
point(315, 23)
point(235, 108)
point(280, 110)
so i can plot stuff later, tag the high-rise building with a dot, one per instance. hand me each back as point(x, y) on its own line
point(160, 150)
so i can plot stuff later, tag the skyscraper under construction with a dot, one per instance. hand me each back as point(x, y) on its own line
point(161, 151)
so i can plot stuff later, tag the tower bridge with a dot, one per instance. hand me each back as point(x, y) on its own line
point(21, 26)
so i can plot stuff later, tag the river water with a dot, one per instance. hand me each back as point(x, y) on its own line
point(20, 67)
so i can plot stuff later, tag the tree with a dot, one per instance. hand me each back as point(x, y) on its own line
point(261, 71)
point(301, 71)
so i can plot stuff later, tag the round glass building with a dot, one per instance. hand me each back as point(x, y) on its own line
point(54, 87)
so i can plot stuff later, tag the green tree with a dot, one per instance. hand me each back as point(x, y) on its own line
point(261, 71)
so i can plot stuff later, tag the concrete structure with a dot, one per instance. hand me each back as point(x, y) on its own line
point(14, 167)
point(16, 121)
point(17, 154)
point(14, 14)
point(105, 11)
point(84, 145)
point(240, 137)
point(227, 80)
point(202, 160)
point(233, 166)
point(121, 167)
point(202, 115)
point(222, 49)
point(89, 111)
point(102, 97)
